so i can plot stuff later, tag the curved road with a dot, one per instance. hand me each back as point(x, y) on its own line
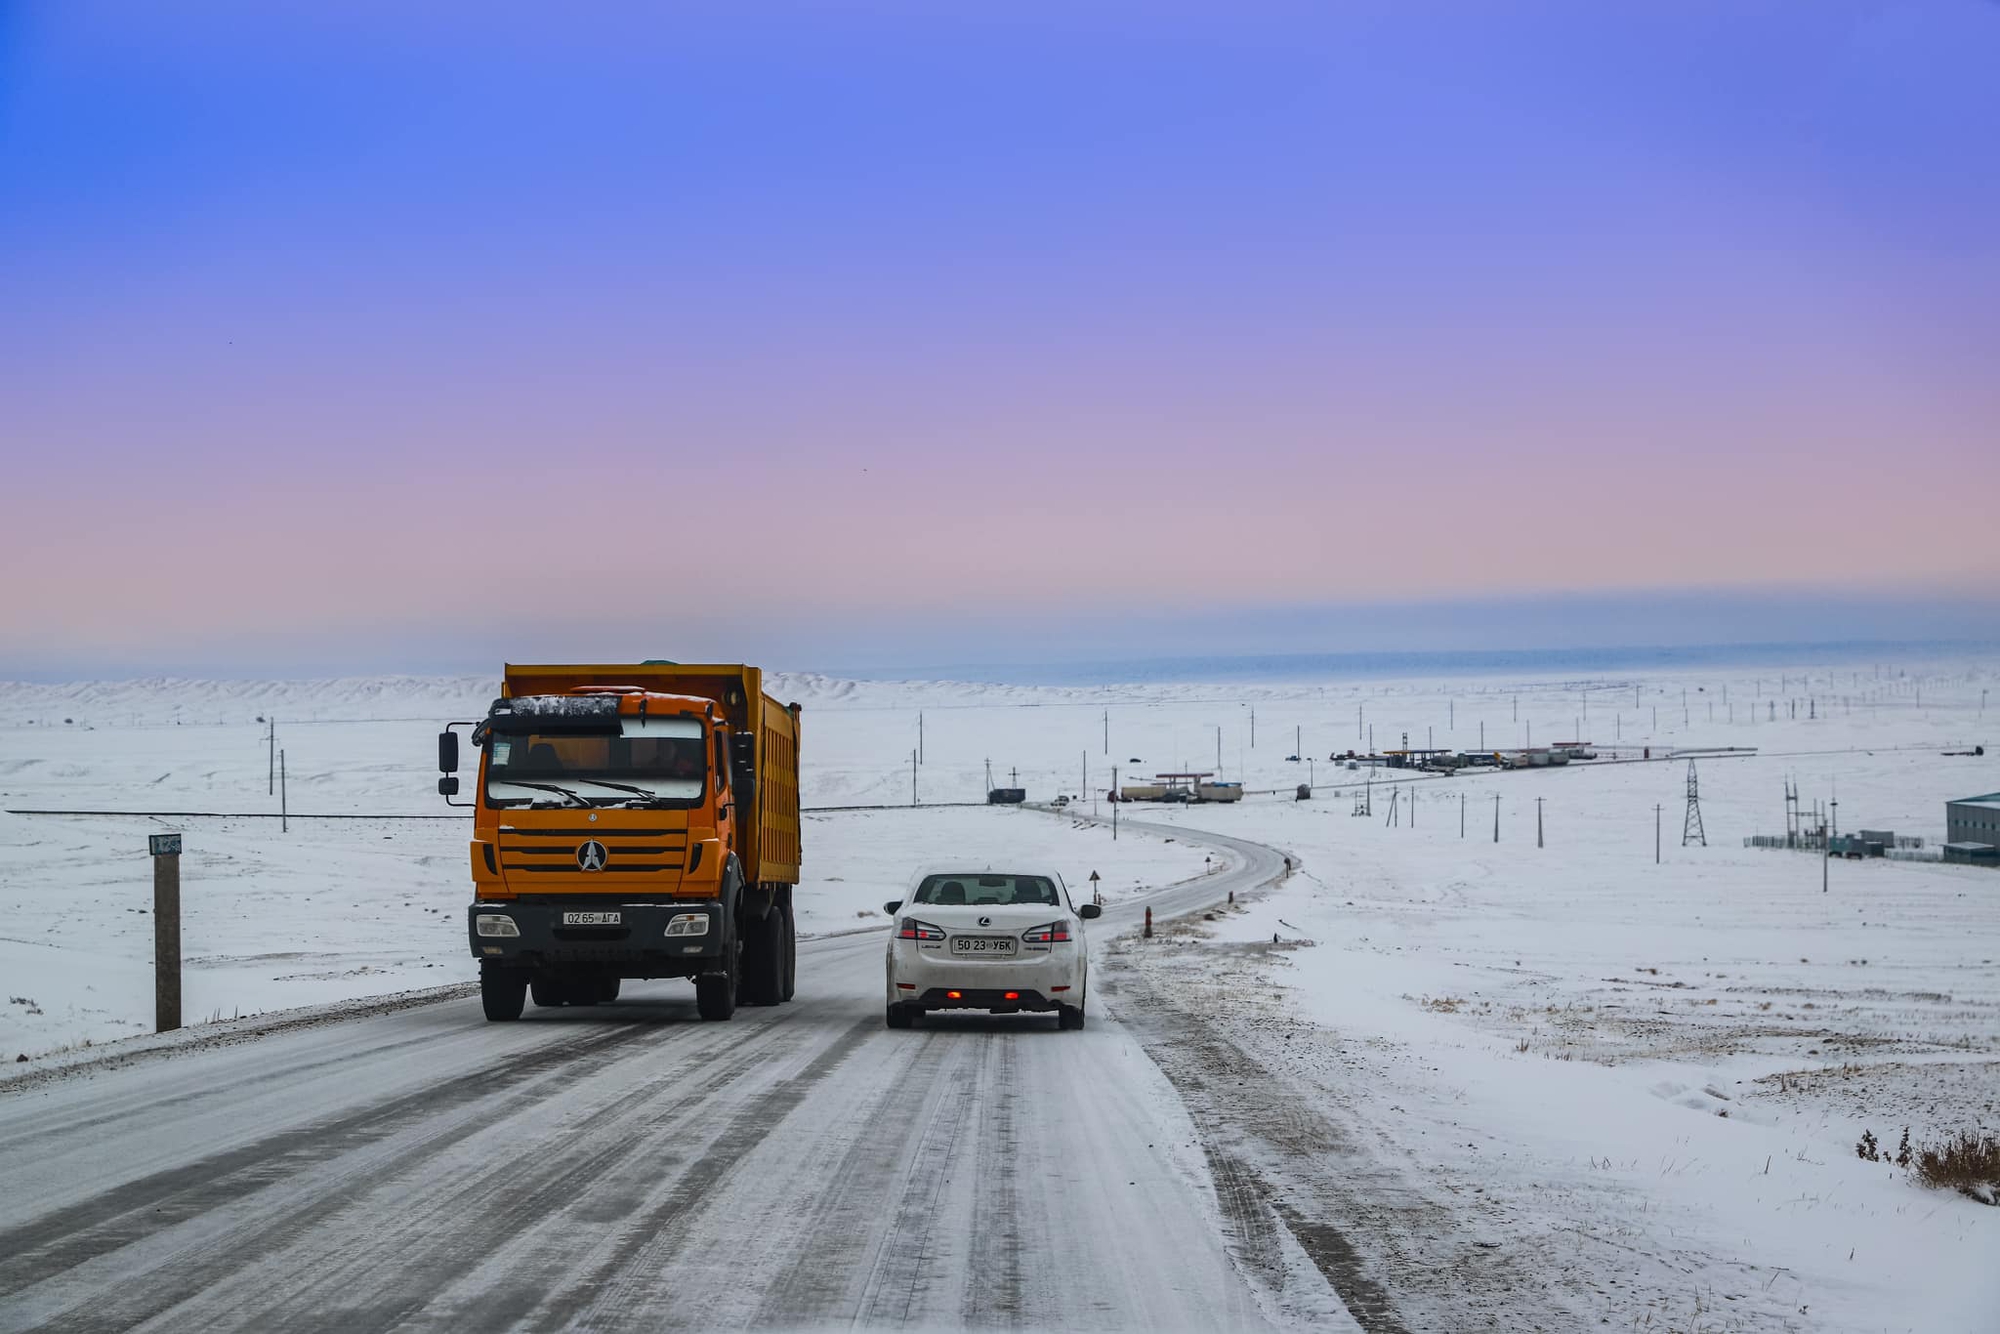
point(629, 1167)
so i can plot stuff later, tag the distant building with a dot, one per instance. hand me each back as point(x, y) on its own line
point(1973, 820)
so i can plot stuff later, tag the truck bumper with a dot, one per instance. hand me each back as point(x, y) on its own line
point(546, 934)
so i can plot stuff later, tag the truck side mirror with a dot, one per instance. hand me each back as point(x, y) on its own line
point(448, 755)
point(448, 786)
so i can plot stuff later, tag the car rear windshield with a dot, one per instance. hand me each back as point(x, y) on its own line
point(986, 890)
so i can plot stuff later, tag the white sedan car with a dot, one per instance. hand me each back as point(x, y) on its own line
point(1000, 941)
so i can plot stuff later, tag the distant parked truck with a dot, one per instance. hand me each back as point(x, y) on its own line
point(635, 821)
point(1006, 796)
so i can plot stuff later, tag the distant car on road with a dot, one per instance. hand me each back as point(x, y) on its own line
point(999, 941)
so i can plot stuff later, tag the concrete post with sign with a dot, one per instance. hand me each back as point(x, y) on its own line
point(1096, 894)
point(166, 851)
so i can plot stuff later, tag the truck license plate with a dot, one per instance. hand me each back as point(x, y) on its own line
point(591, 919)
point(982, 945)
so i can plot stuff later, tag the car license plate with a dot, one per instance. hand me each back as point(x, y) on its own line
point(982, 945)
point(591, 919)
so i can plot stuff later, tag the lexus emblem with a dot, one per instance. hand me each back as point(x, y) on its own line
point(986, 921)
point(590, 856)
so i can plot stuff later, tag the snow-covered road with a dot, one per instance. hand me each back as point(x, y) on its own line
point(631, 1167)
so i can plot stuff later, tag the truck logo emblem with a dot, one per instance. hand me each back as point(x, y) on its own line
point(590, 856)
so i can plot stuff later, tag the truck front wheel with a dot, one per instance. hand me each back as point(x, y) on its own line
point(715, 993)
point(503, 992)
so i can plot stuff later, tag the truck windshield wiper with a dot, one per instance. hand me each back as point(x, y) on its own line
point(648, 793)
point(576, 797)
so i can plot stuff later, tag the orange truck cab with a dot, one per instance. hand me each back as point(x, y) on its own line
point(631, 822)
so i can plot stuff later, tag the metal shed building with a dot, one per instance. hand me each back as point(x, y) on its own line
point(1973, 819)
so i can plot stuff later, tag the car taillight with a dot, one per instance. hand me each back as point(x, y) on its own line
point(1043, 935)
point(912, 929)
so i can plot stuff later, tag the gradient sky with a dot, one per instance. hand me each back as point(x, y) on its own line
point(364, 337)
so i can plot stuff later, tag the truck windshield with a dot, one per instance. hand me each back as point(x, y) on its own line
point(653, 762)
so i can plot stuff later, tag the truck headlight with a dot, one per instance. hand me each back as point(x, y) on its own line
point(495, 924)
point(688, 924)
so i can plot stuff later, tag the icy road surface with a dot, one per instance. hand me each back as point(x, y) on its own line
point(631, 1167)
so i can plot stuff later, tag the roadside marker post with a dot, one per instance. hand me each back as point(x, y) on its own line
point(166, 853)
point(1147, 934)
point(1096, 894)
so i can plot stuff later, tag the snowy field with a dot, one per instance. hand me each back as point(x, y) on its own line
point(1637, 1084)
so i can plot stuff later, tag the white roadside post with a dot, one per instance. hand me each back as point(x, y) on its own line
point(166, 853)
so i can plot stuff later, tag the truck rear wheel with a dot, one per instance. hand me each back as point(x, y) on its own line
point(503, 993)
point(764, 959)
point(789, 940)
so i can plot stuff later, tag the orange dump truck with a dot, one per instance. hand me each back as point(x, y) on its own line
point(630, 822)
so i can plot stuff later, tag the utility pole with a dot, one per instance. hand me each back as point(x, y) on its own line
point(1253, 729)
point(1115, 803)
point(1218, 752)
point(1461, 815)
point(1496, 817)
point(271, 760)
point(1538, 822)
point(1482, 734)
point(1298, 744)
point(1357, 724)
point(913, 778)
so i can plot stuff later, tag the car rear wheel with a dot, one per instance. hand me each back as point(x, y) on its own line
point(1069, 1017)
point(900, 1016)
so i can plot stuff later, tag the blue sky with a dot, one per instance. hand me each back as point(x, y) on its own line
point(339, 335)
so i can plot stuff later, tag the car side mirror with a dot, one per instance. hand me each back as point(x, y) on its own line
point(448, 786)
point(891, 906)
point(1089, 910)
point(448, 755)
